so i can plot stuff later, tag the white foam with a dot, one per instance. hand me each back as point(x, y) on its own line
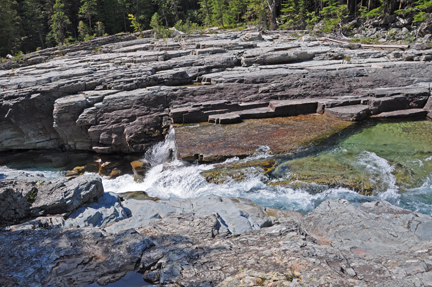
point(379, 171)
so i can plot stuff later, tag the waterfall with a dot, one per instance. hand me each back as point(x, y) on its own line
point(162, 151)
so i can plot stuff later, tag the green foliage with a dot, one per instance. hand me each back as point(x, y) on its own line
point(158, 29)
point(31, 196)
point(100, 29)
point(59, 22)
point(156, 21)
point(294, 13)
point(188, 27)
point(33, 25)
point(375, 12)
point(420, 17)
point(83, 30)
point(9, 37)
point(134, 23)
point(257, 13)
point(423, 5)
point(87, 10)
point(17, 57)
point(89, 37)
point(332, 15)
point(406, 11)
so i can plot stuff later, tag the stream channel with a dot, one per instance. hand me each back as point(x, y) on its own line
point(371, 160)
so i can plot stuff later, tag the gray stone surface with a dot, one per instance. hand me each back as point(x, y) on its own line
point(236, 215)
point(120, 98)
point(24, 196)
point(214, 241)
point(348, 113)
point(105, 211)
point(74, 257)
point(411, 113)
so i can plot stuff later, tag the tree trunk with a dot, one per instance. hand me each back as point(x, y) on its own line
point(124, 23)
point(352, 6)
point(41, 39)
point(221, 16)
point(176, 11)
point(165, 17)
point(272, 8)
point(208, 12)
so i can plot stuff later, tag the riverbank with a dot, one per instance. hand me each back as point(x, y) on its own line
point(217, 241)
point(298, 145)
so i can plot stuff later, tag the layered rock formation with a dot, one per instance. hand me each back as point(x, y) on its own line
point(219, 241)
point(123, 97)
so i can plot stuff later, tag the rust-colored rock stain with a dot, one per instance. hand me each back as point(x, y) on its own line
point(211, 142)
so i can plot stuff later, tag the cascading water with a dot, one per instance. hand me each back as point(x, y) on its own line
point(387, 161)
point(170, 177)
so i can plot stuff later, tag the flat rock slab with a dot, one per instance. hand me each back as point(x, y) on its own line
point(411, 113)
point(209, 142)
point(348, 113)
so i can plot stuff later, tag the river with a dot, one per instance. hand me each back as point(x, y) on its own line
point(372, 160)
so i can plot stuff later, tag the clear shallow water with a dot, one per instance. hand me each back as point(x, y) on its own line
point(395, 157)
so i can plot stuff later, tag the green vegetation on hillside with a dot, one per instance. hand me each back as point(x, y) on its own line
point(29, 25)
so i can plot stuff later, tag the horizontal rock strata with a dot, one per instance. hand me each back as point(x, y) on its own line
point(123, 96)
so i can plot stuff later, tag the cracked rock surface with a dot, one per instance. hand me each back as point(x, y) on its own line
point(123, 96)
point(219, 241)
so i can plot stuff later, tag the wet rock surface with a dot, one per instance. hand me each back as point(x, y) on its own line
point(124, 97)
point(209, 143)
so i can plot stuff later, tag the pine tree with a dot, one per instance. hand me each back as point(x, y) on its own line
point(87, 10)
point(9, 27)
point(257, 13)
point(205, 11)
point(236, 9)
point(219, 12)
point(110, 13)
point(83, 31)
point(59, 22)
point(293, 13)
point(32, 23)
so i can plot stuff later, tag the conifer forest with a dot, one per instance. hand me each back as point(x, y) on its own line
point(30, 25)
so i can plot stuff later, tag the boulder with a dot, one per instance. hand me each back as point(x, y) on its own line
point(28, 196)
point(106, 210)
point(253, 36)
point(348, 113)
point(425, 28)
point(428, 105)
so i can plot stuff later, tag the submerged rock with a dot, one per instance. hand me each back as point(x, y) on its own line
point(209, 143)
point(238, 171)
